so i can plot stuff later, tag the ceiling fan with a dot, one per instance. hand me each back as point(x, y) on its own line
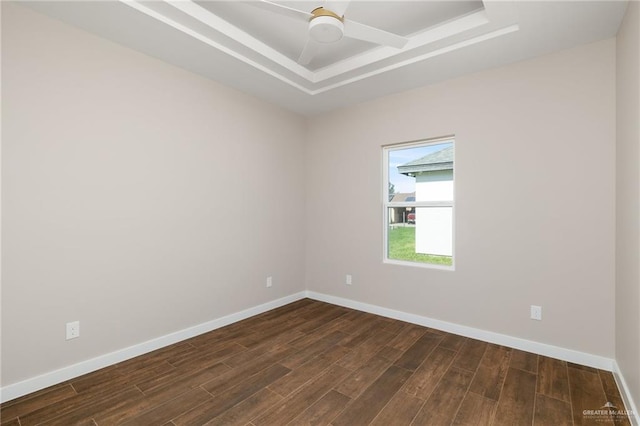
point(327, 24)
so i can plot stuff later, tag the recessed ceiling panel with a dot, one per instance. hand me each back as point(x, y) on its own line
point(288, 36)
point(408, 17)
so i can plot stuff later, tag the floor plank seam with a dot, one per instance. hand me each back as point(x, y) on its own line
point(424, 402)
point(502, 389)
point(573, 419)
point(535, 396)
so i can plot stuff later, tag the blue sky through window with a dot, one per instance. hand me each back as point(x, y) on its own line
point(398, 157)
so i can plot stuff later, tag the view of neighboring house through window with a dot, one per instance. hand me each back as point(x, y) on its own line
point(418, 203)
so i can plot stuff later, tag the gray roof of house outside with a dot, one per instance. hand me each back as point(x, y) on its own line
point(435, 161)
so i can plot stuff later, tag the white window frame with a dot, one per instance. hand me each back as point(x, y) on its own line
point(386, 204)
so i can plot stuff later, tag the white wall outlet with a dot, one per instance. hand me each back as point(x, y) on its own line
point(348, 279)
point(536, 312)
point(269, 281)
point(73, 330)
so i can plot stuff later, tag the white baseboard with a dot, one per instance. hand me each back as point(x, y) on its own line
point(486, 336)
point(25, 387)
point(557, 352)
point(626, 395)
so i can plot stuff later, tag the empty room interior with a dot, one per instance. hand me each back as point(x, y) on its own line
point(320, 212)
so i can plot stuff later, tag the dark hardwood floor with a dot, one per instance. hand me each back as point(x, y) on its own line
point(312, 363)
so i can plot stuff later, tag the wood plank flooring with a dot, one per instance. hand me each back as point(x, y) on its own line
point(312, 363)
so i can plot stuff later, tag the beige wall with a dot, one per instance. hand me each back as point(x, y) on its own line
point(141, 199)
point(628, 200)
point(535, 200)
point(138, 198)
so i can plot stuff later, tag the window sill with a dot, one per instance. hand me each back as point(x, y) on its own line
point(419, 265)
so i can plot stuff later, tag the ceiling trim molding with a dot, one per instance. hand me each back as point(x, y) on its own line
point(212, 20)
point(207, 40)
point(420, 39)
point(475, 40)
point(479, 25)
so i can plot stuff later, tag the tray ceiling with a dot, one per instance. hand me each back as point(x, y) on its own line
point(241, 44)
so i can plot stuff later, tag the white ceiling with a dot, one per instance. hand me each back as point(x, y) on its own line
point(255, 50)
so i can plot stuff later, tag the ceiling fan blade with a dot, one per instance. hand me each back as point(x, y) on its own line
point(339, 7)
point(374, 35)
point(310, 50)
point(299, 15)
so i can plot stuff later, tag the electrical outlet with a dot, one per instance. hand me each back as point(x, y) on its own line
point(348, 279)
point(73, 330)
point(269, 281)
point(536, 312)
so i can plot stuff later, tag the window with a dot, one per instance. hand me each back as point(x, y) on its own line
point(418, 203)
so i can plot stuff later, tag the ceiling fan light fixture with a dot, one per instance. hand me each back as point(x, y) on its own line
point(326, 29)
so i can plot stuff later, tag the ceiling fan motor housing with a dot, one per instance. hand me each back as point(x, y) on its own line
point(326, 29)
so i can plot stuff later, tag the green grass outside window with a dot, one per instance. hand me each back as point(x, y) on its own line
point(402, 246)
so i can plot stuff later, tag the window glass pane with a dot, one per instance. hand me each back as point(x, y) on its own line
point(406, 166)
point(420, 177)
point(421, 234)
